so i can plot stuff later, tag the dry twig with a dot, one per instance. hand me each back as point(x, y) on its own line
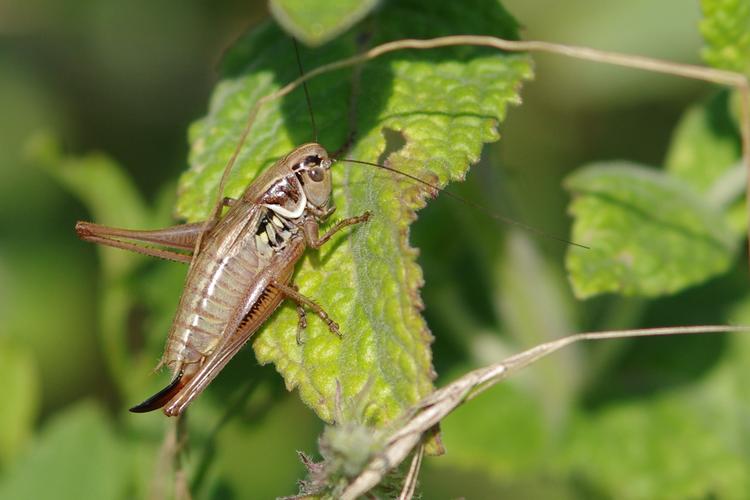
point(431, 410)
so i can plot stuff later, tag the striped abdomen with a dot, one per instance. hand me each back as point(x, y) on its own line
point(233, 270)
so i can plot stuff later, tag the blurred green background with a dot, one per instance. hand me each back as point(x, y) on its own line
point(642, 419)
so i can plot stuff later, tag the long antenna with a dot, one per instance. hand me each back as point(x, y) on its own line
point(307, 93)
point(481, 208)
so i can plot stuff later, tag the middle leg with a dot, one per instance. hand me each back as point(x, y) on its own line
point(290, 292)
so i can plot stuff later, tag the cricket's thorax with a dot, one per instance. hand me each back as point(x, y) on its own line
point(286, 197)
point(274, 233)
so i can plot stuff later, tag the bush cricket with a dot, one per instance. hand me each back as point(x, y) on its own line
point(241, 265)
point(242, 270)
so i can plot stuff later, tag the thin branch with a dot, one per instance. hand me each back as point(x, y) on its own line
point(410, 483)
point(440, 403)
point(169, 464)
point(164, 462)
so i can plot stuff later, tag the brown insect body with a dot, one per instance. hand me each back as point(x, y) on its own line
point(241, 272)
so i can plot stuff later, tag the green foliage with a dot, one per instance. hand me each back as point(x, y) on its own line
point(704, 145)
point(21, 397)
point(346, 449)
point(112, 199)
point(316, 22)
point(656, 418)
point(629, 445)
point(102, 186)
point(56, 468)
point(705, 151)
point(644, 241)
point(470, 433)
point(444, 106)
point(643, 437)
point(649, 234)
point(726, 29)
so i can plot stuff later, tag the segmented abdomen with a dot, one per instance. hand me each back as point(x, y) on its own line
point(227, 273)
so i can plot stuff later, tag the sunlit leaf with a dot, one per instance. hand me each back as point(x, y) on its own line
point(316, 22)
point(444, 105)
point(649, 233)
point(726, 30)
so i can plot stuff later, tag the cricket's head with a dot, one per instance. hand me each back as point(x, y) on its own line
point(298, 182)
point(312, 166)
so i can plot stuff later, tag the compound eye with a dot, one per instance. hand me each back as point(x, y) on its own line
point(316, 173)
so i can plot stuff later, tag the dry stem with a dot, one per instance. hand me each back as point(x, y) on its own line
point(431, 410)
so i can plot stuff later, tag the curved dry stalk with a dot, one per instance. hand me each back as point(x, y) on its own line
point(164, 463)
point(169, 467)
point(431, 410)
point(721, 77)
point(410, 483)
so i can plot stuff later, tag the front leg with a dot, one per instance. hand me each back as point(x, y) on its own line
point(311, 229)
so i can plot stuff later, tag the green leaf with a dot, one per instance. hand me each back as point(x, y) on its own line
point(705, 143)
point(444, 105)
point(478, 438)
point(529, 284)
point(100, 184)
point(726, 29)
point(21, 396)
point(96, 180)
point(113, 199)
point(75, 456)
point(687, 440)
point(649, 233)
point(671, 447)
point(317, 22)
